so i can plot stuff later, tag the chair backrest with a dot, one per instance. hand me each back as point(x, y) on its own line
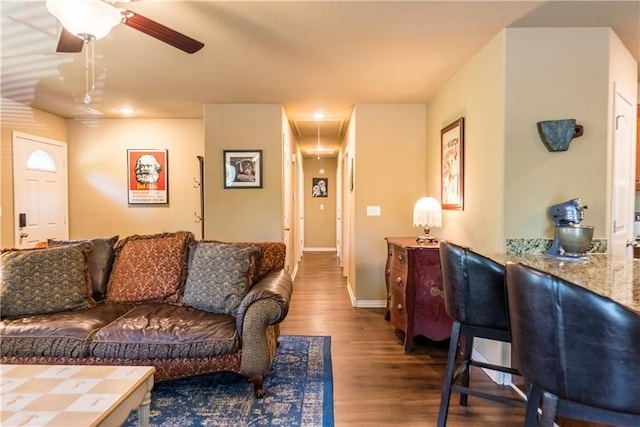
point(572, 342)
point(473, 286)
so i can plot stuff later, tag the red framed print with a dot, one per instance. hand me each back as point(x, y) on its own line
point(148, 178)
point(452, 143)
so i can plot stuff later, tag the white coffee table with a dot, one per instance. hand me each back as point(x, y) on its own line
point(73, 395)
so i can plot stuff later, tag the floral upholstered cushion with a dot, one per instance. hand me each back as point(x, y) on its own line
point(100, 261)
point(149, 268)
point(39, 281)
point(219, 276)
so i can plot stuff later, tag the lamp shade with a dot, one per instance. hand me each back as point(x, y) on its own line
point(427, 212)
point(92, 17)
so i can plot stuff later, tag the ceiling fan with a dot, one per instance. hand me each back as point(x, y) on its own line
point(86, 20)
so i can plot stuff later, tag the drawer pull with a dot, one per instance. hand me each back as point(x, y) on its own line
point(400, 308)
point(402, 259)
point(399, 281)
point(388, 271)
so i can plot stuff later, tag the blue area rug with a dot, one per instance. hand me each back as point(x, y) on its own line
point(299, 392)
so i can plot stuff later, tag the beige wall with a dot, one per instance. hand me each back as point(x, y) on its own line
point(244, 214)
point(98, 176)
point(320, 212)
point(476, 93)
point(521, 77)
point(555, 85)
point(389, 173)
point(17, 117)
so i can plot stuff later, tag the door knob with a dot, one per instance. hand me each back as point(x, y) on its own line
point(23, 234)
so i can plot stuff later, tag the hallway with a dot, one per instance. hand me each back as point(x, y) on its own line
point(375, 383)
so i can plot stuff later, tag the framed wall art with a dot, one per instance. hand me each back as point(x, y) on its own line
point(242, 168)
point(319, 187)
point(148, 176)
point(452, 145)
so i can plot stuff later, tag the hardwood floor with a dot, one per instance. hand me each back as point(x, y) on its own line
point(375, 382)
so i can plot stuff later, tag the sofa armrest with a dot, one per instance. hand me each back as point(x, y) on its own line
point(275, 290)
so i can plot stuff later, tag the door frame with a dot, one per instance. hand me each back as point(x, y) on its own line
point(16, 139)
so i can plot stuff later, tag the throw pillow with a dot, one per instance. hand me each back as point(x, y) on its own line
point(100, 261)
point(39, 281)
point(219, 277)
point(149, 268)
point(271, 256)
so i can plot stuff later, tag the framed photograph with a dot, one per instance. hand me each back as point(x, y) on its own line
point(452, 144)
point(319, 187)
point(148, 176)
point(242, 168)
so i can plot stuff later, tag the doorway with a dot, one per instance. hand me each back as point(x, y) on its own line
point(40, 199)
point(320, 203)
point(622, 192)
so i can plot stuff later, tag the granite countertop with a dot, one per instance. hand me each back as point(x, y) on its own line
point(615, 277)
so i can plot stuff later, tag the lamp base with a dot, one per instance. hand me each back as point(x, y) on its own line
point(426, 238)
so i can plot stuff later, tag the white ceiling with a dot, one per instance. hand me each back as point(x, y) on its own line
point(306, 55)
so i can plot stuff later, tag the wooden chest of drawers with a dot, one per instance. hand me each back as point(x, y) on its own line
point(415, 303)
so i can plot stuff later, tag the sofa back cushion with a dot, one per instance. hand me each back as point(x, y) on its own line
point(149, 268)
point(219, 276)
point(39, 281)
point(100, 261)
point(272, 256)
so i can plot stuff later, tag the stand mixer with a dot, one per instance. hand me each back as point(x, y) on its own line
point(571, 240)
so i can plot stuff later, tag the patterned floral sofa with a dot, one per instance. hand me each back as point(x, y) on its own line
point(186, 307)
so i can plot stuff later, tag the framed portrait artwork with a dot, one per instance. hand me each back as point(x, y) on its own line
point(242, 168)
point(148, 176)
point(452, 145)
point(319, 187)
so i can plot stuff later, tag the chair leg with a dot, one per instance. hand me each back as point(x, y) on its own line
point(549, 408)
point(467, 351)
point(533, 401)
point(448, 375)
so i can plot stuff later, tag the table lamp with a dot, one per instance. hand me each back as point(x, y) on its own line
point(427, 213)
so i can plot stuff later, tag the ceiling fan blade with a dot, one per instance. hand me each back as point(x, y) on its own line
point(162, 33)
point(68, 43)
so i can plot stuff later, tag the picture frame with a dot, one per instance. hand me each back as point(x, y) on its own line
point(452, 165)
point(242, 169)
point(319, 187)
point(147, 176)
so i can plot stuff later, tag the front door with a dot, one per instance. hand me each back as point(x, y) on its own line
point(39, 190)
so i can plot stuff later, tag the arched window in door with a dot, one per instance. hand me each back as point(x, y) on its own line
point(41, 161)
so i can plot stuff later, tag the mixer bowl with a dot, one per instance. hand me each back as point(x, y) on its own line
point(575, 240)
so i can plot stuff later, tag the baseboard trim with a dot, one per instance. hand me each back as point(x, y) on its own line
point(501, 378)
point(295, 272)
point(367, 303)
point(320, 249)
point(371, 303)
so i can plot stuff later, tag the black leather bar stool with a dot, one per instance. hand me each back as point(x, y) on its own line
point(475, 298)
point(579, 351)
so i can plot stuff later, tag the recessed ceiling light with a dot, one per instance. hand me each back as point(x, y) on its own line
point(318, 116)
point(126, 110)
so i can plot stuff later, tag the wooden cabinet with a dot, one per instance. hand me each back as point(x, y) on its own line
point(415, 302)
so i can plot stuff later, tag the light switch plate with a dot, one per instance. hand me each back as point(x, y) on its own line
point(373, 211)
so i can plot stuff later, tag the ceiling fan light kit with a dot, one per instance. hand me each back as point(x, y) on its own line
point(85, 18)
